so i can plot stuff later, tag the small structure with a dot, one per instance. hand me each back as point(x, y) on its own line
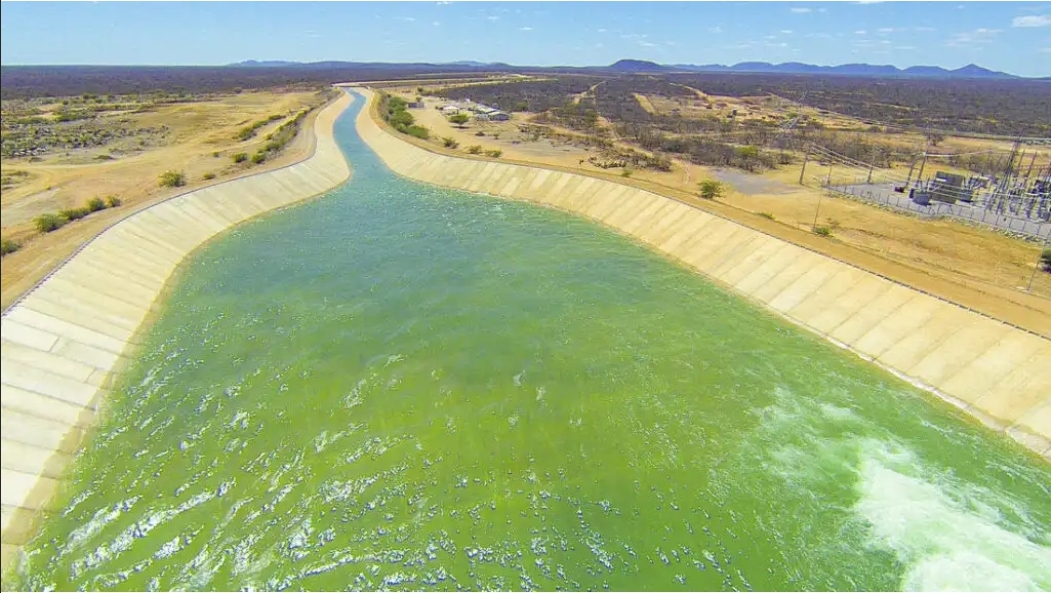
point(499, 116)
point(450, 110)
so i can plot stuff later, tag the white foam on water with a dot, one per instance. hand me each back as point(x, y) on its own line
point(945, 534)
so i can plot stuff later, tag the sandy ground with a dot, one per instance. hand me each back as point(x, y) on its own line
point(977, 268)
point(197, 131)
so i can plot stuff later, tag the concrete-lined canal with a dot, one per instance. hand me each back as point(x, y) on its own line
point(399, 386)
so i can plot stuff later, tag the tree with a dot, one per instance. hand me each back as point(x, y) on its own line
point(459, 119)
point(1045, 259)
point(711, 189)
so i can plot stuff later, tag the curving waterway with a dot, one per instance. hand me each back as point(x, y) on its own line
point(398, 386)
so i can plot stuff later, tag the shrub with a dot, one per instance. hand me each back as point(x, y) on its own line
point(258, 157)
point(1045, 259)
point(480, 133)
point(240, 157)
point(450, 142)
point(208, 176)
point(45, 223)
point(8, 246)
point(823, 231)
point(625, 173)
point(495, 153)
point(72, 214)
point(476, 149)
point(711, 189)
point(418, 132)
point(459, 119)
point(113, 201)
point(215, 154)
point(767, 215)
point(96, 204)
point(172, 179)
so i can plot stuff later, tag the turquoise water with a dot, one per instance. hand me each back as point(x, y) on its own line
point(404, 387)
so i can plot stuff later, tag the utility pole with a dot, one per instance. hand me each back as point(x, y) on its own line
point(908, 179)
point(1036, 268)
point(806, 159)
point(1010, 166)
point(919, 177)
point(1030, 170)
point(871, 165)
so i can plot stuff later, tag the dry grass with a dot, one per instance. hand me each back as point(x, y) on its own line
point(201, 140)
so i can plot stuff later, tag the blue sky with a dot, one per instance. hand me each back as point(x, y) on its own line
point(1014, 37)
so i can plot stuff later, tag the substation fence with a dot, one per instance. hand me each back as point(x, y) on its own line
point(1010, 205)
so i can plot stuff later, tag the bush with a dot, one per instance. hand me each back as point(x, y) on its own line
point(495, 153)
point(72, 214)
point(258, 157)
point(418, 132)
point(113, 201)
point(450, 142)
point(474, 149)
point(480, 133)
point(45, 223)
point(711, 189)
point(625, 173)
point(215, 154)
point(208, 176)
point(172, 179)
point(8, 246)
point(1045, 259)
point(767, 215)
point(823, 231)
point(96, 204)
point(240, 157)
point(459, 119)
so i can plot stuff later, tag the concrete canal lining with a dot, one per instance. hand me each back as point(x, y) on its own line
point(61, 343)
point(996, 372)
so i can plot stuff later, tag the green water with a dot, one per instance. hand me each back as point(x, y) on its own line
point(405, 387)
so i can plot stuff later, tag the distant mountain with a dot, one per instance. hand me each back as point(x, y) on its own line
point(968, 71)
point(628, 66)
point(266, 64)
point(638, 66)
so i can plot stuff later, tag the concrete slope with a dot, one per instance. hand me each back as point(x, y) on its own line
point(60, 344)
point(997, 372)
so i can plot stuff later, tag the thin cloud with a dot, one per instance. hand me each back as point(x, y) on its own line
point(786, 31)
point(437, 23)
point(861, 32)
point(525, 28)
point(601, 30)
point(886, 29)
point(972, 38)
point(492, 18)
point(1041, 20)
point(801, 10)
point(925, 29)
point(715, 30)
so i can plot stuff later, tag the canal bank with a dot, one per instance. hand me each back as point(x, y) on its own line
point(406, 386)
point(999, 374)
point(64, 340)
